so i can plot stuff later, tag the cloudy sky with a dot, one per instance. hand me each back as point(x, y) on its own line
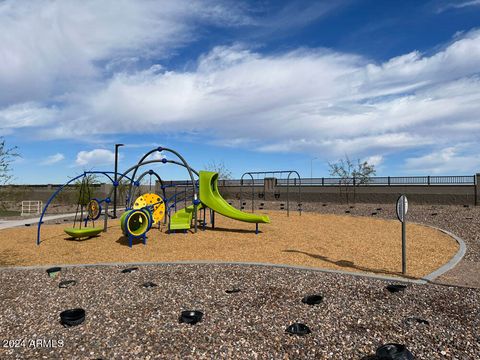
point(260, 85)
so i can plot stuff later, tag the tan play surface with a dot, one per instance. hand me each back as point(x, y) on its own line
point(355, 244)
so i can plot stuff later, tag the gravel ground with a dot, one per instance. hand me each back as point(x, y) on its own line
point(126, 321)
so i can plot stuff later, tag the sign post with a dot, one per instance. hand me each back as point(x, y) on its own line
point(402, 208)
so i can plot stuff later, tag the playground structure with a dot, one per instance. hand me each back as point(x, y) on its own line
point(143, 211)
point(270, 182)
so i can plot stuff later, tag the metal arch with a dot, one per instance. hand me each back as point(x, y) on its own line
point(142, 163)
point(179, 163)
point(299, 191)
point(253, 190)
point(135, 168)
point(106, 174)
point(289, 172)
point(195, 195)
point(152, 172)
point(59, 190)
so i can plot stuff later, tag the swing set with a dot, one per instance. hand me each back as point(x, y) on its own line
point(276, 191)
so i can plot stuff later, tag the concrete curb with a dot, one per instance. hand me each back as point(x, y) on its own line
point(453, 261)
point(208, 262)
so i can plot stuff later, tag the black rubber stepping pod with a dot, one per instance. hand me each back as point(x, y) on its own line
point(393, 288)
point(312, 299)
point(67, 283)
point(53, 271)
point(72, 317)
point(149, 284)
point(298, 329)
point(417, 320)
point(129, 270)
point(191, 317)
point(233, 291)
point(394, 352)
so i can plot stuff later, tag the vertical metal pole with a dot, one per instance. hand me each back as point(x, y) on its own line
point(175, 197)
point(115, 178)
point(404, 241)
point(288, 194)
point(253, 195)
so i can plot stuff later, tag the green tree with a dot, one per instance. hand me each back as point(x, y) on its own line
point(223, 172)
point(352, 175)
point(7, 157)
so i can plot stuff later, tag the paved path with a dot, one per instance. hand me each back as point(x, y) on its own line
point(5, 224)
point(466, 273)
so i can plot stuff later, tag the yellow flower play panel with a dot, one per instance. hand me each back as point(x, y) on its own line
point(152, 199)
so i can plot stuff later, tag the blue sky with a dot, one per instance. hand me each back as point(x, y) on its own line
point(260, 85)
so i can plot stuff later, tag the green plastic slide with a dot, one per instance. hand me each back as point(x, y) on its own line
point(210, 197)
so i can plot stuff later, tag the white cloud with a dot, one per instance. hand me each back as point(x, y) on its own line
point(375, 160)
point(458, 5)
point(304, 100)
point(48, 47)
point(53, 159)
point(460, 160)
point(155, 156)
point(25, 115)
point(95, 157)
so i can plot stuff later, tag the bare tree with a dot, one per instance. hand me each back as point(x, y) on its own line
point(7, 157)
point(86, 188)
point(223, 172)
point(352, 174)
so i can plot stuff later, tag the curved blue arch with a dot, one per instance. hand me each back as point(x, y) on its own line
point(106, 173)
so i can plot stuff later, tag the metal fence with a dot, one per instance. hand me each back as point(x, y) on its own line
point(327, 181)
point(392, 181)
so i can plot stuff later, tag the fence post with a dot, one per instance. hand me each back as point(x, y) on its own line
point(477, 189)
point(323, 181)
point(389, 181)
point(428, 180)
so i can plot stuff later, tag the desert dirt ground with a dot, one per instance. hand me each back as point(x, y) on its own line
point(356, 244)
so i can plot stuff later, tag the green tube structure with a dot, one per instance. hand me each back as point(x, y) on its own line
point(136, 222)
